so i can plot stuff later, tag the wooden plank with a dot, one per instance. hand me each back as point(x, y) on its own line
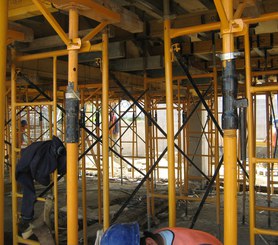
point(156, 26)
point(25, 9)
point(262, 41)
point(18, 32)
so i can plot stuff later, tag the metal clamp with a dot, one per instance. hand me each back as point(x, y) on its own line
point(75, 44)
point(228, 56)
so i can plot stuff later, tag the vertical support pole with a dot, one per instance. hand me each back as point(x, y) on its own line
point(251, 142)
point(55, 177)
point(216, 153)
point(147, 153)
point(229, 120)
point(169, 116)
point(3, 48)
point(179, 140)
point(72, 142)
point(105, 130)
point(99, 173)
point(14, 155)
point(84, 186)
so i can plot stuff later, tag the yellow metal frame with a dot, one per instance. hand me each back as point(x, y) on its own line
point(52, 21)
point(3, 50)
point(105, 131)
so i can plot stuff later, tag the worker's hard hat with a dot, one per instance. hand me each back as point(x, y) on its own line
point(122, 234)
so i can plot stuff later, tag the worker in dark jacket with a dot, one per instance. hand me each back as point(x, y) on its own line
point(37, 162)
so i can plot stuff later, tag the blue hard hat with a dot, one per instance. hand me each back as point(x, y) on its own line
point(122, 234)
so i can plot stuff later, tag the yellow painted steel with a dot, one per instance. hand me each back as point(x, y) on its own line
point(251, 139)
point(170, 124)
point(83, 171)
point(266, 208)
point(86, 47)
point(72, 148)
point(177, 32)
point(14, 155)
point(52, 21)
point(267, 73)
point(27, 241)
point(95, 31)
point(105, 130)
point(3, 48)
point(34, 103)
point(222, 13)
point(197, 199)
point(266, 232)
point(230, 151)
point(263, 160)
point(147, 153)
point(99, 170)
point(55, 175)
point(230, 185)
point(216, 149)
point(265, 88)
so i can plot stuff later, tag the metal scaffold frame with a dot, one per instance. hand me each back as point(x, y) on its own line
point(178, 167)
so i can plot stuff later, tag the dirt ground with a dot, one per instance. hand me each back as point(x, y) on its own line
point(136, 210)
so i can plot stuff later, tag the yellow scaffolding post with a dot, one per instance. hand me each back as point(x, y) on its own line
point(147, 152)
point(169, 116)
point(3, 48)
point(14, 154)
point(55, 177)
point(83, 171)
point(251, 145)
point(99, 170)
point(105, 130)
point(229, 126)
point(72, 147)
point(216, 149)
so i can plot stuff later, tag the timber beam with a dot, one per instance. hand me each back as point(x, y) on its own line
point(17, 32)
point(262, 41)
point(105, 11)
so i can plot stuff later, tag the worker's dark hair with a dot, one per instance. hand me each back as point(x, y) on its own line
point(155, 237)
point(23, 122)
point(61, 151)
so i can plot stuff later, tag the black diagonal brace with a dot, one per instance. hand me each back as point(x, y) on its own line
point(154, 122)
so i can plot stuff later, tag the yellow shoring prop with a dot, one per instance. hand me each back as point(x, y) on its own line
point(230, 151)
point(3, 48)
point(170, 123)
point(105, 130)
point(72, 148)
